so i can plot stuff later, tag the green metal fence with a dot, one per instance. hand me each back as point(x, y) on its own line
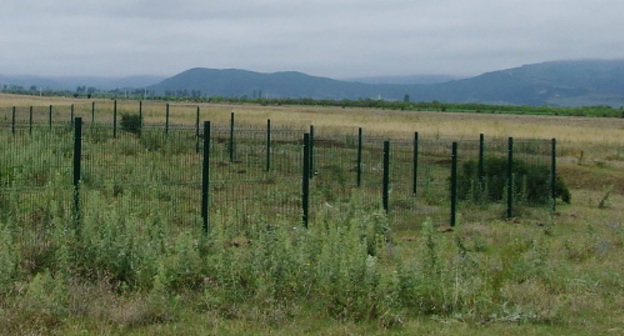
point(257, 174)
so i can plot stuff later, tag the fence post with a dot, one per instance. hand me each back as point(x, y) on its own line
point(305, 182)
point(481, 167)
point(454, 184)
point(167, 119)
point(510, 178)
point(13, 120)
point(50, 116)
point(77, 159)
point(92, 113)
point(386, 176)
point(30, 119)
point(311, 151)
point(415, 165)
point(231, 145)
point(268, 146)
point(553, 172)
point(71, 116)
point(197, 130)
point(359, 158)
point(141, 114)
point(115, 119)
point(205, 177)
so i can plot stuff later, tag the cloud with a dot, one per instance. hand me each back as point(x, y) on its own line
point(339, 38)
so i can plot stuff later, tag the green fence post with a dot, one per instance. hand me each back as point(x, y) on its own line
point(167, 119)
point(305, 181)
point(197, 130)
point(50, 116)
point(115, 119)
point(92, 113)
point(13, 120)
point(141, 114)
point(553, 172)
point(481, 168)
point(206, 177)
point(454, 184)
point(415, 165)
point(71, 115)
point(268, 146)
point(510, 178)
point(386, 176)
point(77, 159)
point(30, 119)
point(359, 159)
point(231, 145)
point(311, 151)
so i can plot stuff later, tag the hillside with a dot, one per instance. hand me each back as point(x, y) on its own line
point(560, 83)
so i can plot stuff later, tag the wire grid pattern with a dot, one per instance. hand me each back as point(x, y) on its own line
point(158, 170)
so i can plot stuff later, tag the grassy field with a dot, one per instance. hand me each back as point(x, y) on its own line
point(127, 272)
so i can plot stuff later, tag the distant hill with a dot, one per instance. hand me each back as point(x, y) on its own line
point(559, 83)
point(239, 83)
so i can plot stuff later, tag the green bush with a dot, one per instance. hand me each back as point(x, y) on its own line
point(131, 123)
point(531, 183)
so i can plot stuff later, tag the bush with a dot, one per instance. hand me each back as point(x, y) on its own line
point(530, 182)
point(131, 123)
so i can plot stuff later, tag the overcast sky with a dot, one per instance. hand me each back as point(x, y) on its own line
point(333, 38)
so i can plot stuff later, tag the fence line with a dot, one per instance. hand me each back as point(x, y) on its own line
point(188, 173)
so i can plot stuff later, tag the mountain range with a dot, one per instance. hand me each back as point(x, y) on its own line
point(557, 83)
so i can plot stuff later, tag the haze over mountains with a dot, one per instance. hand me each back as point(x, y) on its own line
point(558, 83)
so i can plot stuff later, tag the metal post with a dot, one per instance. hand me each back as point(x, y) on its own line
point(553, 172)
point(30, 120)
point(305, 199)
point(205, 177)
point(386, 175)
point(481, 168)
point(359, 158)
point(268, 146)
point(115, 119)
point(415, 165)
point(453, 184)
point(92, 113)
point(311, 151)
point(167, 119)
point(197, 130)
point(13, 120)
point(231, 146)
point(77, 159)
point(50, 117)
point(71, 115)
point(510, 178)
point(141, 113)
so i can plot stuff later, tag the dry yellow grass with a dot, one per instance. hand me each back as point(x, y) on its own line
point(581, 133)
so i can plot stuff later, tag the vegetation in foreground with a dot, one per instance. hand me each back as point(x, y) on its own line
point(118, 273)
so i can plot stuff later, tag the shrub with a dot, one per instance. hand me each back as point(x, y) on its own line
point(131, 123)
point(530, 182)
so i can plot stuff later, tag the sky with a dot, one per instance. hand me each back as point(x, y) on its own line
point(331, 38)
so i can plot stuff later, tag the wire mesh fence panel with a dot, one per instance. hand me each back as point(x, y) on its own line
point(158, 171)
point(154, 169)
point(35, 184)
point(370, 189)
point(332, 173)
